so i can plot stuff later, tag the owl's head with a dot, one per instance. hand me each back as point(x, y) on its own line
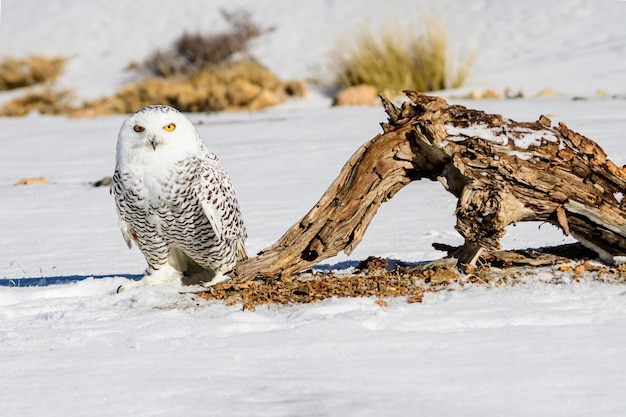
point(158, 130)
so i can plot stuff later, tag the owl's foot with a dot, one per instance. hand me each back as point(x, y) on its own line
point(161, 276)
point(217, 279)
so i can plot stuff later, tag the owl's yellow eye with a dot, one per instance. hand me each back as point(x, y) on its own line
point(138, 128)
point(169, 127)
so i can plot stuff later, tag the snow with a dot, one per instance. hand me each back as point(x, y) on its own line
point(520, 155)
point(480, 131)
point(72, 346)
point(465, 353)
point(523, 138)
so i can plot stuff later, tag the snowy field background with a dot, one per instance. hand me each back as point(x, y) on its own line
point(72, 346)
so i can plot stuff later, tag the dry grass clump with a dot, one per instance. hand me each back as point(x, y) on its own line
point(242, 85)
point(195, 52)
point(200, 73)
point(24, 72)
point(32, 181)
point(44, 101)
point(398, 60)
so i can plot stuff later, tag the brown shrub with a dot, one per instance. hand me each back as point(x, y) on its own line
point(195, 75)
point(296, 88)
point(36, 69)
point(194, 52)
point(242, 85)
point(359, 95)
point(45, 101)
point(242, 92)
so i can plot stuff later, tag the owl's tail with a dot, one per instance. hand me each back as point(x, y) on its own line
point(241, 251)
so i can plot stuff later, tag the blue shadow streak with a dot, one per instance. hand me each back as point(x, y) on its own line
point(68, 279)
point(391, 265)
point(46, 281)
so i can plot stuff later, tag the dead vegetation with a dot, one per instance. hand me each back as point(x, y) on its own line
point(45, 100)
point(199, 73)
point(374, 279)
point(26, 72)
point(393, 60)
point(39, 73)
point(204, 73)
point(241, 85)
point(196, 52)
point(33, 181)
point(314, 287)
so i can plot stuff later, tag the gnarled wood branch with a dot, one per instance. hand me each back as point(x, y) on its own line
point(501, 171)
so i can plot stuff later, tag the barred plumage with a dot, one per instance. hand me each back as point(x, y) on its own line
point(175, 200)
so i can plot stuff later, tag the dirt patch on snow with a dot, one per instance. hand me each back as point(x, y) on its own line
point(375, 278)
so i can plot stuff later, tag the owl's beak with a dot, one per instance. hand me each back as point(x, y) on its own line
point(153, 141)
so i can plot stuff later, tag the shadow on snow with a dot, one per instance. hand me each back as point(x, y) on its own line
point(58, 280)
point(45, 281)
point(391, 265)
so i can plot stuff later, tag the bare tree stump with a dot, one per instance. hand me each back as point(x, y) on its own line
point(501, 171)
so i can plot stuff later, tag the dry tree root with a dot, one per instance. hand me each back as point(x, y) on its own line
point(501, 171)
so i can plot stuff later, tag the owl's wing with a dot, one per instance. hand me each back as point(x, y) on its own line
point(127, 232)
point(212, 213)
point(215, 197)
point(125, 227)
point(219, 203)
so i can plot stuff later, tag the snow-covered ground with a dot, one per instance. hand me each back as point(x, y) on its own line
point(72, 346)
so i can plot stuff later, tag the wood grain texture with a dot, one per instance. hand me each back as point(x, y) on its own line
point(501, 171)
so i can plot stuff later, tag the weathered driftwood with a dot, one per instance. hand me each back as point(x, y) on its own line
point(501, 171)
point(547, 255)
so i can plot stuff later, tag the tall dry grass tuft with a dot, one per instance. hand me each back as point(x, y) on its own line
point(398, 59)
point(24, 72)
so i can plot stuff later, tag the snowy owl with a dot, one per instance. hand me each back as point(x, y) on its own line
point(175, 200)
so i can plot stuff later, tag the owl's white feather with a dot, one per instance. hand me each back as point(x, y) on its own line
point(175, 200)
